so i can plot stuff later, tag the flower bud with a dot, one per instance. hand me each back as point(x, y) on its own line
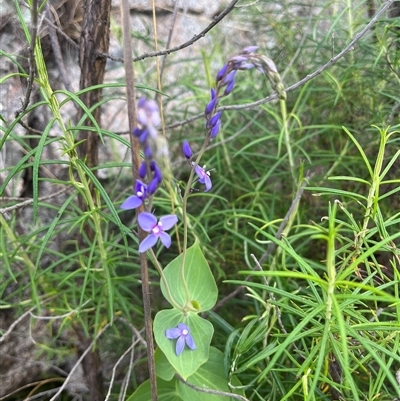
point(187, 150)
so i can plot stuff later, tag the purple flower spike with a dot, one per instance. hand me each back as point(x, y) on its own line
point(135, 201)
point(148, 222)
point(204, 176)
point(182, 333)
point(187, 150)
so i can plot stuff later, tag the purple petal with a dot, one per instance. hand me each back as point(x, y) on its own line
point(180, 344)
point(182, 326)
point(213, 94)
point(213, 120)
point(153, 112)
point(165, 239)
point(157, 172)
point(229, 77)
point(222, 72)
point(147, 221)
point(140, 187)
point(137, 132)
point(173, 333)
point(141, 103)
point(249, 49)
point(142, 116)
point(245, 66)
point(207, 182)
point(229, 87)
point(143, 169)
point(148, 242)
point(132, 203)
point(148, 154)
point(187, 150)
point(237, 60)
point(168, 221)
point(210, 106)
point(153, 186)
point(199, 171)
point(190, 342)
point(143, 137)
point(215, 129)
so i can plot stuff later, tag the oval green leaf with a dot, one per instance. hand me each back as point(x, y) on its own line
point(201, 285)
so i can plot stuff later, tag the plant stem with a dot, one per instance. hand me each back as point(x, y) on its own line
point(132, 117)
point(184, 218)
point(287, 138)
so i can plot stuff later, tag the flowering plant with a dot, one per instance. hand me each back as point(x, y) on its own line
point(182, 336)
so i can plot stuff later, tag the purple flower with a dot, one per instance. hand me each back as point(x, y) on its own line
point(148, 222)
point(182, 333)
point(187, 150)
point(204, 176)
point(135, 201)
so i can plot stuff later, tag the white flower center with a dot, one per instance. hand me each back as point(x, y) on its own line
point(185, 332)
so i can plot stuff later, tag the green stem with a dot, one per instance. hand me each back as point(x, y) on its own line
point(373, 194)
point(287, 138)
point(164, 280)
point(185, 223)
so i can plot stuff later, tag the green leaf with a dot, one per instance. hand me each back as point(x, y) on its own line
point(211, 375)
point(201, 330)
point(164, 369)
point(200, 282)
point(167, 391)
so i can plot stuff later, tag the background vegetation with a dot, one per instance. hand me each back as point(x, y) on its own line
point(310, 313)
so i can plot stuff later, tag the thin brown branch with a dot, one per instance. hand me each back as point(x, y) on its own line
point(60, 32)
point(55, 44)
point(195, 38)
point(31, 57)
point(30, 201)
point(132, 118)
point(211, 391)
